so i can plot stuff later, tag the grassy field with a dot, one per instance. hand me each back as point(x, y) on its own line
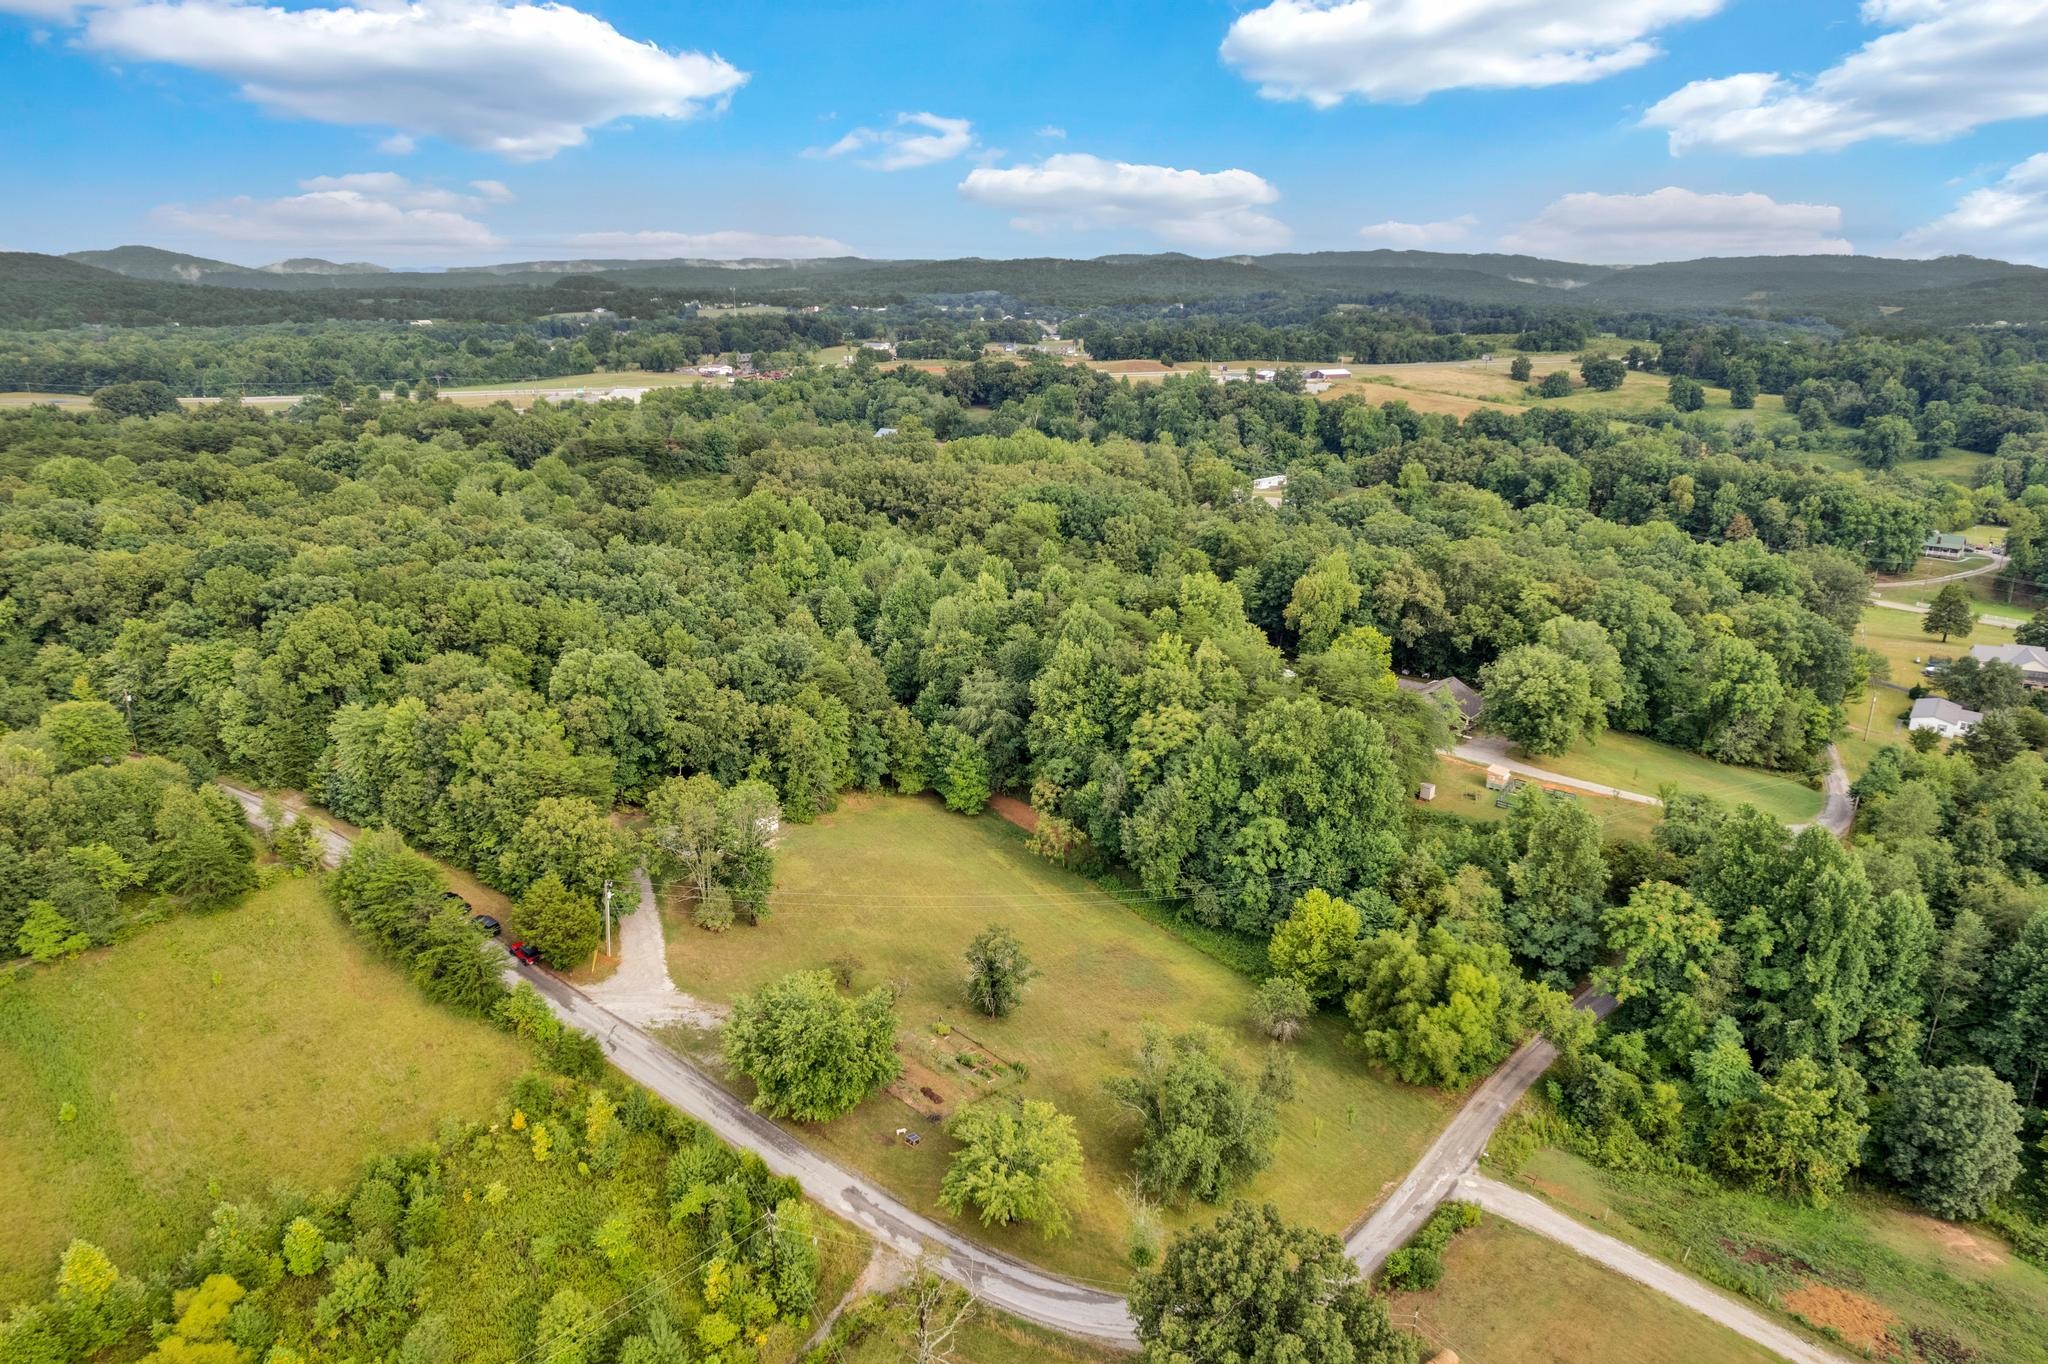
point(902, 886)
point(1876, 720)
point(1906, 647)
point(1510, 1295)
point(1868, 1267)
point(1633, 763)
point(1988, 593)
point(1461, 790)
point(209, 1058)
point(623, 378)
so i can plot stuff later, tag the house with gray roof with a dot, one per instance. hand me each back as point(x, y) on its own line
point(2030, 659)
point(1943, 716)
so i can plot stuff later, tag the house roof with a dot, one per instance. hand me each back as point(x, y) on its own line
point(2025, 657)
point(1944, 710)
point(1945, 540)
point(1466, 698)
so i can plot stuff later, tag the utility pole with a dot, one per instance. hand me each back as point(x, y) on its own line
point(607, 917)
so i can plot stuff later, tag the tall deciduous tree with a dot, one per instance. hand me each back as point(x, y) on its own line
point(811, 1053)
point(1540, 699)
point(1204, 1127)
point(1017, 1162)
point(1249, 1287)
point(1950, 613)
point(997, 971)
point(1952, 1138)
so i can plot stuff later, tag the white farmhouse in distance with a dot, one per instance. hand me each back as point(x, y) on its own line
point(1944, 717)
point(1327, 373)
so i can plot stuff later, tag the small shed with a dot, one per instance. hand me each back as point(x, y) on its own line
point(1497, 777)
point(1427, 791)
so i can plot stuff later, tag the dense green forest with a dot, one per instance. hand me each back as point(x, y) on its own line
point(485, 628)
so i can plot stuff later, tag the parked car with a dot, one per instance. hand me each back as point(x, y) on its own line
point(487, 924)
point(526, 953)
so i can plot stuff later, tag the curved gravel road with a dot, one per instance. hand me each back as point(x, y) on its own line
point(1447, 1168)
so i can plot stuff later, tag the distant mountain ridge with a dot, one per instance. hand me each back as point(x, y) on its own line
point(1850, 290)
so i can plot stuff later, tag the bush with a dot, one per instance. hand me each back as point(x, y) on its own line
point(1419, 1265)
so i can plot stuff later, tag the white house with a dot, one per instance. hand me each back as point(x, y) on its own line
point(715, 371)
point(1325, 375)
point(1944, 717)
point(2030, 659)
point(882, 431)
point(1269, 483)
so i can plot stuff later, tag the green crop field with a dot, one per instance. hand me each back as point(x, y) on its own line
point(210, 1057)
point(1509, 1294)
point(1868, 1267)
point(1633, 763)
point(902, 886)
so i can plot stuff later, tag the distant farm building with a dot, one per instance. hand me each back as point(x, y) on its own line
point(1327, 374)
point(715, 371)
point(1498, 777)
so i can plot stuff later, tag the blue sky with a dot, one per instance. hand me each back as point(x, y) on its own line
point(426, 132)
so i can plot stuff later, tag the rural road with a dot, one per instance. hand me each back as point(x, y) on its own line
point(1002, 1281)
point(1998, 561)
point(1525, 1210)
point(1456, 1151)
point(1011, 1285)
point(1838, 811)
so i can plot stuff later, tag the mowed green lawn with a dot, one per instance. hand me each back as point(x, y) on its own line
point(1510, 1295)
point(1633, 763)
point(902, 885)
point(1461, 790)
point(1906, 647)
point(210, 1057)
point(1866, 1265)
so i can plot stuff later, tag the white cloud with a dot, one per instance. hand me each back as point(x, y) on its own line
point(520, 79)
point(398, 144)
point(913, 140)
point(1677, 224)
point(1213, 210)
point(1416, 235)
point(2008, 220)
point(369, 210)
point(1955, 65)
point(1054, 131)
point(708, 245)
point(1325, 51)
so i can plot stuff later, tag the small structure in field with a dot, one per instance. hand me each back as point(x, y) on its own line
point(1498, 777)
point(1427, 791)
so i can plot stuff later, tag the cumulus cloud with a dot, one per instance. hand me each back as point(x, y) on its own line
point(520, 79)
point(709, 245)
point(1948, 66)
point(912, 140)
point(1325, 51)
point(1217, 210)
point(1677, 224)
point(2008, 219)
point(367, 210)
point(1413, 236)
